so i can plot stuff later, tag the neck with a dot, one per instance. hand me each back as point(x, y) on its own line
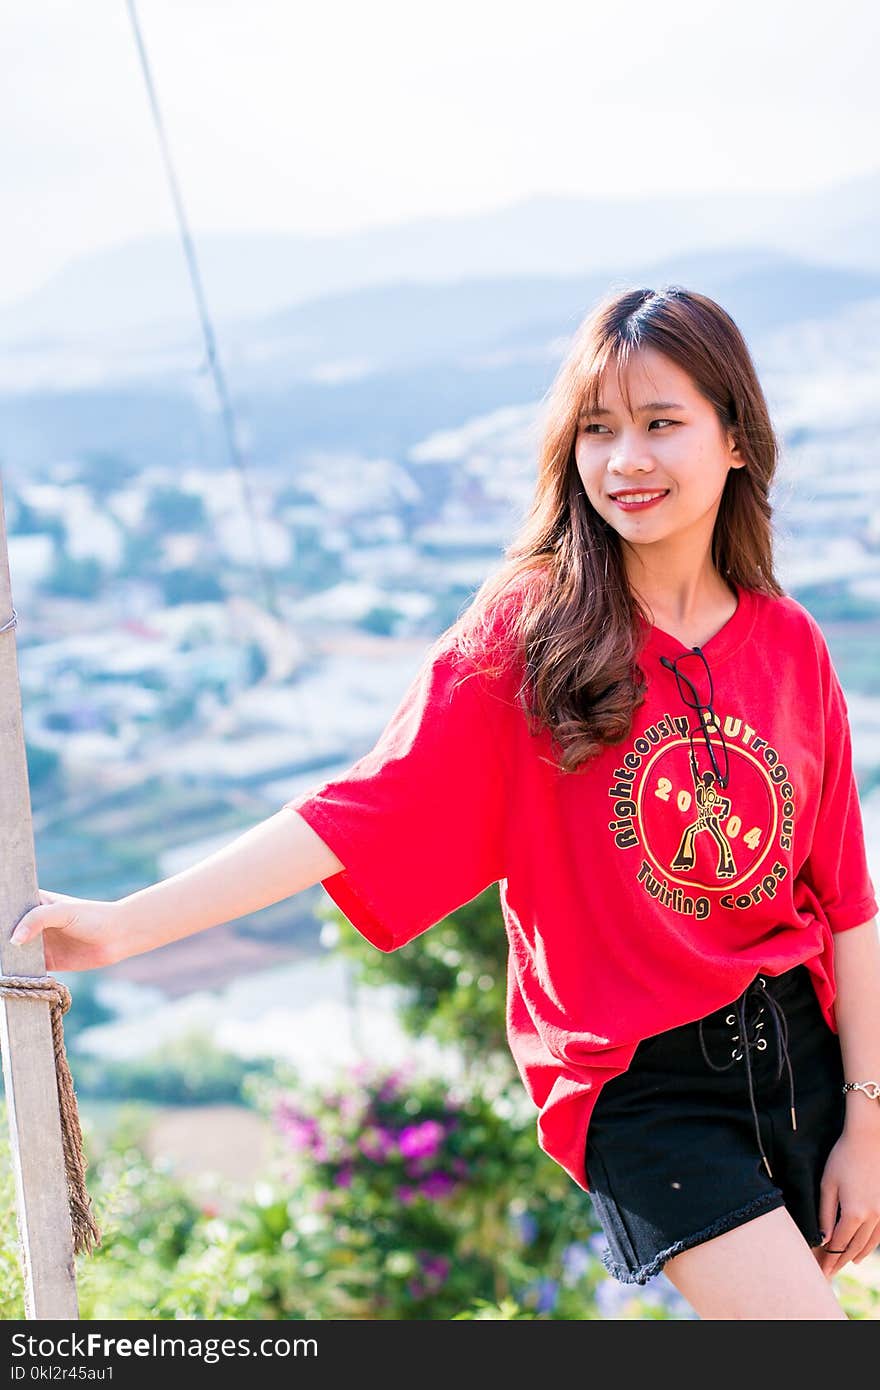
point(681, 599)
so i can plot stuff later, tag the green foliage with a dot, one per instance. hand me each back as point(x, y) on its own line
point(190, 1070)
point(147, 1220)
point(510, 1239)
point(453, 978)
point(423, 1196)
point(86, 1008)
point(507, 1310)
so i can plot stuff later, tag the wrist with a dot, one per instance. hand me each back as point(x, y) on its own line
point(134, 929)
point(862, 1104)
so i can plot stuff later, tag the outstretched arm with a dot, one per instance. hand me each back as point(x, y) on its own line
point(275, 859)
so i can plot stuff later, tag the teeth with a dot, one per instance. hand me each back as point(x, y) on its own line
point(639, 496)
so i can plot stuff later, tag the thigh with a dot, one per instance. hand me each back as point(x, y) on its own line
point(761, 1270)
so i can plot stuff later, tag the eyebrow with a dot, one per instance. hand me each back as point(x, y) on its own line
point(649, 405)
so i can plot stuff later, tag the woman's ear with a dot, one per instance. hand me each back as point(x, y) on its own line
point(733, 446)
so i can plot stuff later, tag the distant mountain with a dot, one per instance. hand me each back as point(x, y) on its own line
point(402, 325)
point(144, 283)
point(374, 370)
point(478, 322)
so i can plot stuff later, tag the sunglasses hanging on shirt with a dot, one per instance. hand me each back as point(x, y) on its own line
point(690, 696)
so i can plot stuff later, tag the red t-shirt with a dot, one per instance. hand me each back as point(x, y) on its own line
point(627, 913)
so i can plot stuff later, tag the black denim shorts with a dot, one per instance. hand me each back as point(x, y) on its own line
point(697, 1136)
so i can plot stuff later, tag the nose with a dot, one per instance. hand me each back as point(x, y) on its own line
point(630, 456)
point(629, 462)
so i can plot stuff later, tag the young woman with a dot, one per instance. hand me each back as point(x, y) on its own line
point(643, 740)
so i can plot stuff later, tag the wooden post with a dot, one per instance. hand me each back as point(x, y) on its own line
point(43, 1212)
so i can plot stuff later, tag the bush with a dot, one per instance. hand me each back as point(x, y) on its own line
point(453, 978)
point(423, 1197)
point(191, 1070)
point(497, 1230)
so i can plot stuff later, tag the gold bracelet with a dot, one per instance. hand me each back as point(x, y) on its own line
point(870, 1088)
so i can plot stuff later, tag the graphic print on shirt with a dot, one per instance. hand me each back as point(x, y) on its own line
point(711, 806)
point(697, 843)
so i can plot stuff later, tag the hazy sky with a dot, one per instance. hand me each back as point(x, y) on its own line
point(332, 115)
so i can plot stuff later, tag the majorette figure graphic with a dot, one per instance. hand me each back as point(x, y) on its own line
point(711, 805)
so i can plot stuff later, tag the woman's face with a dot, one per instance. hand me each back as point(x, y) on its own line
point(672, 443)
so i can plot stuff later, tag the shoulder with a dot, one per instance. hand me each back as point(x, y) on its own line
point(785, 620)
point(792, 631)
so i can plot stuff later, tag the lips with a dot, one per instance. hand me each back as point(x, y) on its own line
point(627, 501)
point(627, 494)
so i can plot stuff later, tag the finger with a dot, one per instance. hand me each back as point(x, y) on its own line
point(870, 1244)
point(37, 920)
point(31, 923)
point(828, 1209)
point(839, 1244)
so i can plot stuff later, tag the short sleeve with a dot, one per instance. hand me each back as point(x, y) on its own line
point(418, 821)
point(837, 868)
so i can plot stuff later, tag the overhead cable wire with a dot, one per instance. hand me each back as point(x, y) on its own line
point(227, 412)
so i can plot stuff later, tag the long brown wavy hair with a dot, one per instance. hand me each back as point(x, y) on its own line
point(574, 622)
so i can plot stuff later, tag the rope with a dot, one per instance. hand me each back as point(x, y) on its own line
point(45, 989)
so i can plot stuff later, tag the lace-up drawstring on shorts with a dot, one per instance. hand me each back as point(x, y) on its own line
point(751, 1037)
point(715, 1123)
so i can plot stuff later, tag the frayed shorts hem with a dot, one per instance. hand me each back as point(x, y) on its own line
point(756, 1207)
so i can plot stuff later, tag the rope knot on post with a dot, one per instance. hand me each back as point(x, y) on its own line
point(44, 989)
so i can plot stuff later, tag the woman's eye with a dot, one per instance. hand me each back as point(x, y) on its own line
point(594, 428)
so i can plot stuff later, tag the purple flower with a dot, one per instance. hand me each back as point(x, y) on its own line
point(542, 1295)
point(421, 1141)
point(436, 1185)
point(343, 1176)
point(301, 1131)
point(284, 1112)
point(577, 1259)
point(350, 1106)
point(612, 1297)
point(435, 1269)
point(525, 1226)
point(406, 1195)
point(391, 1087)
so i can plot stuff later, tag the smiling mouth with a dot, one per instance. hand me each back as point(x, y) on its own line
point(638, 499)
